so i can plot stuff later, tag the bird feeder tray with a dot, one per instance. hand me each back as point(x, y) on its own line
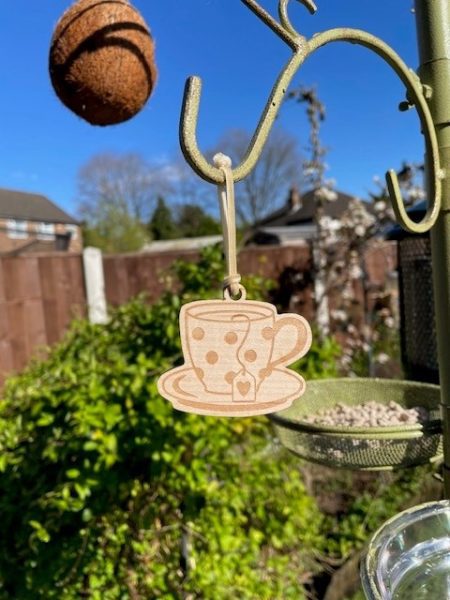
point(362, 448)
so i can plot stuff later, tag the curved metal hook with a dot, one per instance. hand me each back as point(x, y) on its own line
point(192, 95)
point(284, 17)
point(284, 29)
point(189, 119)
point(416, 97)
point(303, 49)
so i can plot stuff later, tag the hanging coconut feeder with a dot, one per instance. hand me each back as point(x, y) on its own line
point(101, 61)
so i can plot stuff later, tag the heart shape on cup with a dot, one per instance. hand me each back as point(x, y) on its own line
point(243, 387)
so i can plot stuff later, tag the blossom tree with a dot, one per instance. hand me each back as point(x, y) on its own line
point(341, 245)
point(314, 169)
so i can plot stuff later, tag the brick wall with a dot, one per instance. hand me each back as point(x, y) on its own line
point(10, 242)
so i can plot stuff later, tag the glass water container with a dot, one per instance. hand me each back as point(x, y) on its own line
point(408, 558)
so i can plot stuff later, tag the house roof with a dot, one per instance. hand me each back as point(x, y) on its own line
point(303, 208)
point(284, 234)
point(31, 207)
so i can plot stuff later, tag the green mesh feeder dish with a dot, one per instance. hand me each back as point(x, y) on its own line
point(362, 448)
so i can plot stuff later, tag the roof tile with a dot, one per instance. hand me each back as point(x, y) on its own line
point(31, 207)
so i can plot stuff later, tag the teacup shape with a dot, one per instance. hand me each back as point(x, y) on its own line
point(232, 348)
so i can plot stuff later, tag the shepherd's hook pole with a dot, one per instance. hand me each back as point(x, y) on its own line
point(433, 32)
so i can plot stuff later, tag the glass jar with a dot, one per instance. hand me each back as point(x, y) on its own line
point(408, 558)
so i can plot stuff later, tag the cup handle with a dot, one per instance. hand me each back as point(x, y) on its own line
point(304, 338)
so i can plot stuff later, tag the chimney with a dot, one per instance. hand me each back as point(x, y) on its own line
point(294, 199)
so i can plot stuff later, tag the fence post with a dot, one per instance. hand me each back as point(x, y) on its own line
point(95, 285)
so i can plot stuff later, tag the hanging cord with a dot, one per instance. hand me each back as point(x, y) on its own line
point(231, 282)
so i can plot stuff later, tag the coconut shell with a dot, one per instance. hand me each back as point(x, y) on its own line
point(101, 61)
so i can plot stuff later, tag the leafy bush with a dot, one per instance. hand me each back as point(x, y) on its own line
point(322, 360)
point(383, 496)
point(108, 493)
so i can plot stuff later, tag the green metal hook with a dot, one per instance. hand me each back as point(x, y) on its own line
point(302, 49)
point(192, 95)
point(284, 17)
point(416, 97)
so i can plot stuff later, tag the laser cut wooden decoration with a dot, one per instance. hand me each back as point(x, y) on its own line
point(236, 351)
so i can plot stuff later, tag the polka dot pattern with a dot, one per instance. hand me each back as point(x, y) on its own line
point(212, 357)
point(267, 333)
point(250, 356)
point(198, 334)
point(230, 376)
point(231, 338)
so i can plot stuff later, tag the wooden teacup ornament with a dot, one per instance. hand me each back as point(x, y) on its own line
point(236, 350)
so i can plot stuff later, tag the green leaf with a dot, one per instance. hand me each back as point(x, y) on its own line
point(73, 473)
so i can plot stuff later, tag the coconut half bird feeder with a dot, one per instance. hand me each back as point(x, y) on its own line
point(102, 61)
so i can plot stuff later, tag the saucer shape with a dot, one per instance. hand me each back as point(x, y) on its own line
point(183, 389)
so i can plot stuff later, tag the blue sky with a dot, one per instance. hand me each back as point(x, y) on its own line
point(43, 145)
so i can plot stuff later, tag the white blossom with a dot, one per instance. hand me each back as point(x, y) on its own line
point(382, 358)
point(310, 171)
point(346, 360)
point(339, 315)
point(325, 193)
point(347, 293)
point(389, 322)
point(380, 206)
point(416, 193)
point(355, 271)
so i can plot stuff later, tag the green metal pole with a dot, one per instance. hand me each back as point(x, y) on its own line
point(433, 31)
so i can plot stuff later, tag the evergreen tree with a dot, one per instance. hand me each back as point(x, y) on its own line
point(162, 226)
point(193, 221)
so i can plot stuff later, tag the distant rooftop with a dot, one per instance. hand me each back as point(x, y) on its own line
point(300, 209)
point(284, 235)
point(25, 206)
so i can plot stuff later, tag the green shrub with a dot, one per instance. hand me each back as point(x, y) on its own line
point(322, 360)
point(385, 494)
point(108, 493)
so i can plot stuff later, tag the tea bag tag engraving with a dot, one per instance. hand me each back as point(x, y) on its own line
point(244, 387)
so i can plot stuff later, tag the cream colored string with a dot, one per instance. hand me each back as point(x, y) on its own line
point(231, 282)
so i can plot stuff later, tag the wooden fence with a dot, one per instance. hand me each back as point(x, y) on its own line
point(41, 294)
point(127, 275)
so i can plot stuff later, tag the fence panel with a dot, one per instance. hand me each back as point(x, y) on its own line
point(127, 275)
point(39, 297)
point(41, 294)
